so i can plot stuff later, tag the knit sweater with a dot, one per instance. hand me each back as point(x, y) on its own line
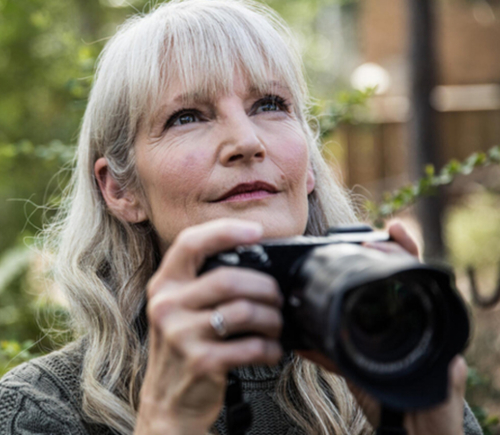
point(43, 396)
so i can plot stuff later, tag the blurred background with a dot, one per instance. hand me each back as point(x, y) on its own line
point(402, 88)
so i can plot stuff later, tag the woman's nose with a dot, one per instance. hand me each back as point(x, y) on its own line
point(240, 142)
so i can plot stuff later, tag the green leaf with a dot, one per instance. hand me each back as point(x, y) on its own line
point(471, 162)
point(444, 178)
point(452, 168)
point(492, 420)
point(494, 154)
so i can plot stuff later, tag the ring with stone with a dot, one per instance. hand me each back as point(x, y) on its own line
point(219, 324)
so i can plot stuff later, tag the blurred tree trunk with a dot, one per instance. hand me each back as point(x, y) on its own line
point(424, 140)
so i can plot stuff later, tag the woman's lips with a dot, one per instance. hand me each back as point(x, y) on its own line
point(248, 196)
point(248, 192)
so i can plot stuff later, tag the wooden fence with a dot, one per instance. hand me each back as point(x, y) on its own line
point(374, 157)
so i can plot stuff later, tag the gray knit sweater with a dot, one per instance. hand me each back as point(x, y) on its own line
point(44, 397)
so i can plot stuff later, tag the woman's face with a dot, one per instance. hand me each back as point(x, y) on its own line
point(242, 155)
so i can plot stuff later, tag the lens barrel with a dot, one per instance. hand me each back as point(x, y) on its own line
point(388, 326)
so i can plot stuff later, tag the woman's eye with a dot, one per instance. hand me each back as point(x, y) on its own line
point(271, 103)
point(182, 117)
point(269, 106)
point(186, 119)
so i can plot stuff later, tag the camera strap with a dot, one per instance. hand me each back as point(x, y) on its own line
point(391, 422)
point(238, 412)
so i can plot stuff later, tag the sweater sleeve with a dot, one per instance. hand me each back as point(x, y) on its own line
point(30, 403)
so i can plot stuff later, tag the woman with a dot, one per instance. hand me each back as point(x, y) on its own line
point(195, 140)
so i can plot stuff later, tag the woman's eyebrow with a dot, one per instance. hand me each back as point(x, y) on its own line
point(208, 97)
point(271, 86)
point(196, 97)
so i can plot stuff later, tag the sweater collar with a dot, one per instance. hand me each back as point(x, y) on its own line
point(263, 372)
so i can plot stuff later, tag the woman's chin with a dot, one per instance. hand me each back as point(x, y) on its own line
point(278, 229)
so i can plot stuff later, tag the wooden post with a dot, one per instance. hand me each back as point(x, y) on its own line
point(424, 141)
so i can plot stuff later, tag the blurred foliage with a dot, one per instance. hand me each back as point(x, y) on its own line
point(473, 231)
point(472, 234)
point(347, 107)
point(475, 380)
point(13, 353)
point(401, 199)
point(488, 423)
point(48, 50)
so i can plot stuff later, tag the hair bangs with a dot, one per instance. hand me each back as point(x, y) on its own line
point(206, 43)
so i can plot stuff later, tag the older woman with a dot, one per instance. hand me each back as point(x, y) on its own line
point(195, 140)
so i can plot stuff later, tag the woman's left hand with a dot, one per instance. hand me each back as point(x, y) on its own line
point(444, 419)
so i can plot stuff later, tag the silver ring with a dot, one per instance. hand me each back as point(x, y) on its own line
point(218, 323)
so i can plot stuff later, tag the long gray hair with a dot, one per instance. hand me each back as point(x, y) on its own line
point(103, 264)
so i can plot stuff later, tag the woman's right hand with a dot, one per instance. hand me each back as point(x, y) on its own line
point(185, 381)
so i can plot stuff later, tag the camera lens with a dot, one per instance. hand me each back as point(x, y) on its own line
point(388, 325)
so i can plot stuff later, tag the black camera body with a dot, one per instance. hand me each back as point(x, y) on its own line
point(391, 324)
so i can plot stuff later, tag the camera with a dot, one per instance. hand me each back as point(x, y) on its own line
point(390, 323)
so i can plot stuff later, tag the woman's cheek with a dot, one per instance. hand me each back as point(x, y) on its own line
point(294, 160)
point(292, 143)
point(183, 171)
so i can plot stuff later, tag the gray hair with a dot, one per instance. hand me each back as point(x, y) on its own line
point(101, 261)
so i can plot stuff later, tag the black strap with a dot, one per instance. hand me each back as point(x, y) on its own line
point(238, 412)
point(391, 422)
